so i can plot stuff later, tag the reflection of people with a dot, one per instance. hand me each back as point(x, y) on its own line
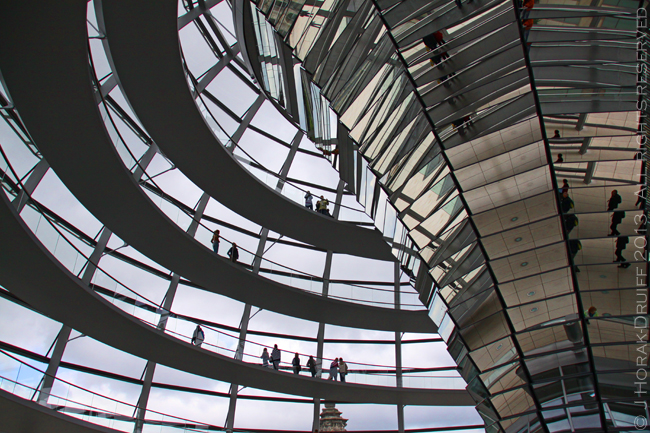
point(574, 246)
point(621, 243)
point(591, 312)
point(557, 134)
point(565, 186)
point(617, 218)
point(560, 158)
point(614, 200)
point(525, 13)
point(570, 222)
point(566, 204)
point(640, 201)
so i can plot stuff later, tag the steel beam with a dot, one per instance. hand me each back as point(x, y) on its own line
point(257, 262)
point(150, 368)
point(30, 184)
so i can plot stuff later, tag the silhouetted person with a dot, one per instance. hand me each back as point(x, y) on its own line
point(640, 201)
point(434, 40)
point(614, 201)
point(591, 312)
point(334, 370)
point(198, 336)
point(460, 124)
point(322, 204)
point(311, 365)
point(557, 134)
point(265, 357)
point(570, 222)
point(621, 243)
point(296, 364)
point(560, 158)
point(565, 186)
point(233, 253)
point(308, 201)
point(617, 218)
point(275, 357)
point(566, 204)
point(574, 246)
point(215, 241)
point(343, 369)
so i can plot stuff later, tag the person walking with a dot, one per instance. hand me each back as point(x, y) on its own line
point(565, 187)
point(233, 253)
point(574, 247)
point(198, 336)
point(308, 201)
point(566, 204)
point(275, 357)
point(296, 364)
point(334, 370)
point(311, 365)
point(556, 134)
point(215, 241)
point(591, 312)
point(617, 218)
point(621, 244)
point(265, 358)
point(570, 222)
point(614, 201)
point(322, 204)
point(343, 369)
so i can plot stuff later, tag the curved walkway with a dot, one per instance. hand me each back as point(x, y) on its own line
point(18, 415)
point(60, 295)
point(146, 59)
point(52, 90)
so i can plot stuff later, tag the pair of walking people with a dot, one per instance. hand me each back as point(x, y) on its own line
point(274, 358)
point(338, 367)
point(321, 205)
point(233, 252)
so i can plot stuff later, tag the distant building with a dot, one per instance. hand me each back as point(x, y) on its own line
point(331, 420)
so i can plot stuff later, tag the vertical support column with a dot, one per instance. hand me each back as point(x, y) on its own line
point(257, 261)
point(585, 145)
point(321, 326)
point(150, 368)
point(398, 350)
point(64, 333)
point(53, 365)
point(591, 168)
point(30, 184)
